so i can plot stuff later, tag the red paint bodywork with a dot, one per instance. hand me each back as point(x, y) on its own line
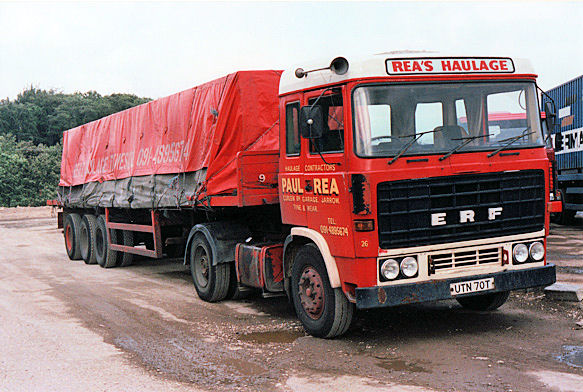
point(356, 252)
point(154, 229)
point(260, 266)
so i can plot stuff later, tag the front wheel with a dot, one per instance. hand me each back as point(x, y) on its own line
point(325, 312)
point(484, 302)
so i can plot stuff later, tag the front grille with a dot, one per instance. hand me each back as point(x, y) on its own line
point(405, 207)
point(452, 260)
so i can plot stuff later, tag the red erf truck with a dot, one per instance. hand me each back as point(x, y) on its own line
point(366, 183)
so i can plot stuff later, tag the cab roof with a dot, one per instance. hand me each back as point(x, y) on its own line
point(399, 63)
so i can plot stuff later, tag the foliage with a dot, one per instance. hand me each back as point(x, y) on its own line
point(28, 173)
point(30, 138)
point(41, 116)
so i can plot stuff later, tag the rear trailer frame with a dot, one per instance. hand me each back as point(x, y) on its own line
point(154, 229)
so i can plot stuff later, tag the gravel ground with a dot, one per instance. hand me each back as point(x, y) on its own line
point(67, 326)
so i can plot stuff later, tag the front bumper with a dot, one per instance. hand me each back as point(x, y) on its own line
point(435, 290)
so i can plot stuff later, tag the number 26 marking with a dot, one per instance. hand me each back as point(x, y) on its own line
point(364, 244)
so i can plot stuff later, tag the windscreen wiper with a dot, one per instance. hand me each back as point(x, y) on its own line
point(510, 141)
point(416, 137)
point(466, 140)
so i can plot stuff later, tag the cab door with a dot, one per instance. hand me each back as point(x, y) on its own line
point(326, 198)
point(292, 155)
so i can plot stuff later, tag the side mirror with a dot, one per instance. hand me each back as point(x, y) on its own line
point(311, 122)
point(551, 115)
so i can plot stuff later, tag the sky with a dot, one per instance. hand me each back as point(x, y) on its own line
point(153, 49)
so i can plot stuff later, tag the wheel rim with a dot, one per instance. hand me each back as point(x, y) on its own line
point(201, 266)
point(68, 235)
point(311, 292)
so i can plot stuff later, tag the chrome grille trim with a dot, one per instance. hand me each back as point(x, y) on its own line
point(447, 261)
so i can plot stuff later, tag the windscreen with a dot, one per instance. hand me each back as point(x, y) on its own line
point(438, 118)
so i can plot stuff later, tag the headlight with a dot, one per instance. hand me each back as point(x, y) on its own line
point(537, 251)
point(409, 266)
point(390, 269)
point(520, 253)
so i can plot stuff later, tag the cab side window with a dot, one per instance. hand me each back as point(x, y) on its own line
point(292, 133)
point(332, 139)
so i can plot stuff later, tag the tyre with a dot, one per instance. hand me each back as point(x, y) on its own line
point(106, 257)
point(210, 281)
point(87, 239)
point(235, 291)
point(567, 217)
point(71, 232)
point(128, 240)
point(484, 302)
point(325, 312)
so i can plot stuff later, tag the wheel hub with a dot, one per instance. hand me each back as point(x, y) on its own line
point(68, 240)
point(204, 267)
point(201, 266)
point(311, 292)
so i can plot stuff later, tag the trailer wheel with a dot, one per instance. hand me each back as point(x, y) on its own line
point(325, 312)
point(87, 239)
point(127, 259)
point(566, 217)
point(484, 302)
point(71, 232)
point(210, 281)
point(106, 257)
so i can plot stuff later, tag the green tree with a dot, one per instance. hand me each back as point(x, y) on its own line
point(12, 168)
point(41, 116)
point(31, 129)
point(29, 173)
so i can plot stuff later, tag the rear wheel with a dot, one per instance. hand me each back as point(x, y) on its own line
point(128, 240)
point(71, 231)
point(325, 312)
point(87, 239)
point(210, 281)
point(106, 257)
point(235, 290)
point(484, 302)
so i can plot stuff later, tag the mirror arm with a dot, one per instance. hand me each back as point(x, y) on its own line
point(549, 116)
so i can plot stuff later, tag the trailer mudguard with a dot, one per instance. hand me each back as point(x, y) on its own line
point(222, 237)
point(322, 245)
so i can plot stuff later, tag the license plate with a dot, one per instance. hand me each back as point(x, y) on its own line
point(471, 286)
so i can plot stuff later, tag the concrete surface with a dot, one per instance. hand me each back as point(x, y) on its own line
point(565, 250)
point(67, 326)
point(564, 292)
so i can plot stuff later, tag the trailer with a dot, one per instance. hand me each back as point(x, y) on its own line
point(375, 182)
point(567, 141)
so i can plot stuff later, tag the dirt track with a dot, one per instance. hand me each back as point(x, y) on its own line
point(68, 326)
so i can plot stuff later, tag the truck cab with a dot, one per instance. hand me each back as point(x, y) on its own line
point(399, 170)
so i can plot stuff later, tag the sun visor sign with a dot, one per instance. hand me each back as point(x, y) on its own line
point(449, 65)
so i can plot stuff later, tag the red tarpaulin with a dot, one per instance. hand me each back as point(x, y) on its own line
point(203, 127)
